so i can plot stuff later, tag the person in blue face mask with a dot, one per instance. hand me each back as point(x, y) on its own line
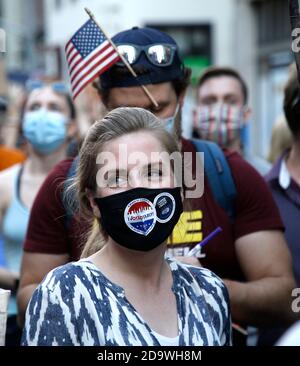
point(48, 124)
point(128, 293)
point(49, 118)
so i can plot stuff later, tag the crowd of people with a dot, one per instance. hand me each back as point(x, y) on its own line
point(96, 251)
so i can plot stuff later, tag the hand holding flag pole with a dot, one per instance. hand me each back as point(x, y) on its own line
point(150, 96)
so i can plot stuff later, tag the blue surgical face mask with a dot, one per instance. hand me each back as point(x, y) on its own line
point(45, 130)
point(169, 122)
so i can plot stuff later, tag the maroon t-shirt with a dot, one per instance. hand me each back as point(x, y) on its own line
point(48, 231)
point(255, 210)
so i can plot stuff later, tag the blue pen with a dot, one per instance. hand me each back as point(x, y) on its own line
point(198, 247)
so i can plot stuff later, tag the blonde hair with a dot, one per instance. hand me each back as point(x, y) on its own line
point(118, 122)
point(280, 141)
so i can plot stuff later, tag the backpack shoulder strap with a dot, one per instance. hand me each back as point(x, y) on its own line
point(218, 173)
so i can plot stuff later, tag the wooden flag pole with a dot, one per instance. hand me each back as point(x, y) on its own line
point(150, 96)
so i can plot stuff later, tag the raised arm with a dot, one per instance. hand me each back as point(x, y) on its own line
point(265, 299)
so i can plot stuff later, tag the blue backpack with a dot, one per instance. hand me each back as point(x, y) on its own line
point(219, 175)
point(216, 170)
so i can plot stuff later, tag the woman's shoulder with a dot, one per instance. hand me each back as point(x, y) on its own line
point(69, 275)
point(7, 175)
point(7, 179)
point(204, 277)
point(206, 284)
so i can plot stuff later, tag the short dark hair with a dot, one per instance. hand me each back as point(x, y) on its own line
point(217, 71)
point(179, 84)
point(291, 102)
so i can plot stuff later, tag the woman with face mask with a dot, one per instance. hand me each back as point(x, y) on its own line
point(48, 125)
point(124, 291)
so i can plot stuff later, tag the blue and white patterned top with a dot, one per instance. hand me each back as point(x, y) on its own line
point(77, 305)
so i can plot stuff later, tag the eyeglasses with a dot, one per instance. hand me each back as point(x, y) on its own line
point(57, 86)
point(157, 54)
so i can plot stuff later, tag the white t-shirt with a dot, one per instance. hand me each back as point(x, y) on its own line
point(291, 337)
point(166, 341)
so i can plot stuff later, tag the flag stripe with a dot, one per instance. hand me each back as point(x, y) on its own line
point(73, 56)
point(94, 77)
point(100, 47)
point(75, 62)
point(94, 72)
point(76, 68)
point(67, 45)
point(90, 72)
point(75, 76)
point(70, 49)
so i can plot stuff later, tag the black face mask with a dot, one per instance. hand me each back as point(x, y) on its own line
point(141, 218)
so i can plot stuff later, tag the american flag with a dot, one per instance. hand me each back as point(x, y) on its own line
point(89, 54)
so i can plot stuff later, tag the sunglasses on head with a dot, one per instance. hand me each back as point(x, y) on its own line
point(160, 54)
point(57, 86)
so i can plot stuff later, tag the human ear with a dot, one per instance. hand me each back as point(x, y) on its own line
point(94, 207)
point(181, 97)
point(247, 114)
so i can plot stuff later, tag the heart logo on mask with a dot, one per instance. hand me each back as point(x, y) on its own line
point(140, 216)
